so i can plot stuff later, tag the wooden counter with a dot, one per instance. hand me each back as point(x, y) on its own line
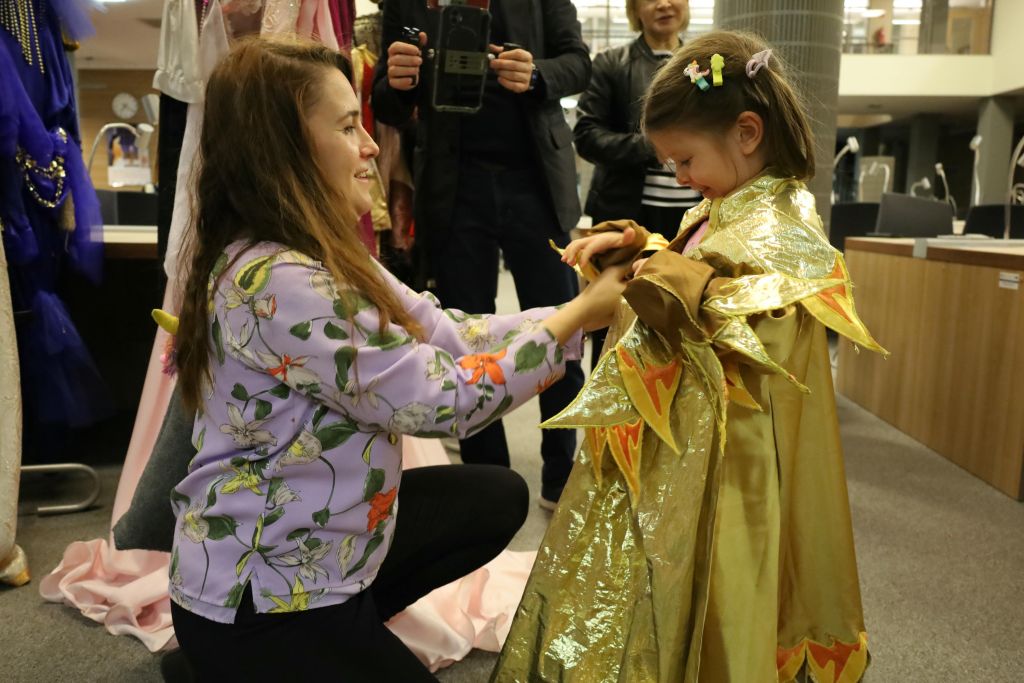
point(952, 315)
point(129, 241)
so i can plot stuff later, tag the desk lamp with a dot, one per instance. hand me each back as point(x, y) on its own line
point(945, 184)
point(143, 132)
point(923, 183)
point(976, 148)
point(1017, 159)
point(851, 146)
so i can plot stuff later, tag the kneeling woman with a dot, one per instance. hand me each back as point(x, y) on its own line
point(307, 362)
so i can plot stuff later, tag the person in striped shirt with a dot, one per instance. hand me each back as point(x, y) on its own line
point(629, 182)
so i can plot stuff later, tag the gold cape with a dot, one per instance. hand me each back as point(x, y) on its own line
point(715, 543)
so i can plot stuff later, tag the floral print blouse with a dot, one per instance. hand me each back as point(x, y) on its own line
point(295, 486)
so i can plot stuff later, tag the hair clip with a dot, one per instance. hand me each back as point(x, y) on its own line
point(755, 63)
point(717, 64)
point(696, 75)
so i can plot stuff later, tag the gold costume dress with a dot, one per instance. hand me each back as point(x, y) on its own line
point(705, 534)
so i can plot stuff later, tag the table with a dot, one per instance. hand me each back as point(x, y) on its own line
point(130, 241)
point(951, 313)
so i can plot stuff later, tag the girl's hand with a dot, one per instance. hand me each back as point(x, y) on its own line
point(579, 252)
point(637, 265)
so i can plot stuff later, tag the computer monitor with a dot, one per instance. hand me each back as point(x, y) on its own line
point(990, 219)
point(900, 215)
point(851, 219)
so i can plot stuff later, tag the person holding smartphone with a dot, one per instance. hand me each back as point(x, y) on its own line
point(500, 179)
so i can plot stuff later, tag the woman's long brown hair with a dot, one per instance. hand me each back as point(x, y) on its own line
point(258, 180)
point(673, 101)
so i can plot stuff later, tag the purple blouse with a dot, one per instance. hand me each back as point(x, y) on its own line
point(294, 488)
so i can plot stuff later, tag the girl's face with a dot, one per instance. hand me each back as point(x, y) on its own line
point(714, 164)
point(341, 145)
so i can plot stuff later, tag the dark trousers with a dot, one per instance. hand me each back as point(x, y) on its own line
point(663, 220)
point(451, 521)
point(509, 210)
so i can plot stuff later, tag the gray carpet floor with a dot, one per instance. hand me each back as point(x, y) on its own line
point(941, 557)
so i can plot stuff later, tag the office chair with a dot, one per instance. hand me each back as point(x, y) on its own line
point(990, 219)
point(853, 219)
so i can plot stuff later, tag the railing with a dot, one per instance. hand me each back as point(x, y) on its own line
point(870, 26)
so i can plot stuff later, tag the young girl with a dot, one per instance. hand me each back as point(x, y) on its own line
point(705, 532)
point(307, 362)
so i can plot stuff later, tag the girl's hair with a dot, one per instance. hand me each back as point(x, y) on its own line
point(634, 17)
point(673, 101)
point(258, 180)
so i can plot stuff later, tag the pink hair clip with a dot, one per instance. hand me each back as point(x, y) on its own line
point(755, 63)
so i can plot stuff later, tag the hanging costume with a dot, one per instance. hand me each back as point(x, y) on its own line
point(705, 532)
point(50, 218)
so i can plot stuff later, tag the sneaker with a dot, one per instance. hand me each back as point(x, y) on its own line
point(549, 498)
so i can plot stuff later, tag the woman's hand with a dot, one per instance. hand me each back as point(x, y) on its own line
point(602, 297)
point(579, 252)
point(637, 265)
point(593, 309)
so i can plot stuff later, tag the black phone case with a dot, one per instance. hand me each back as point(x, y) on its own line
point(460, 62)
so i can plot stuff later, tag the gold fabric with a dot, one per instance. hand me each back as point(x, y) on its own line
point(715, 543)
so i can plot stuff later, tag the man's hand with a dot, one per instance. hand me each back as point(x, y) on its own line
point(514, 68)
point(404, 61)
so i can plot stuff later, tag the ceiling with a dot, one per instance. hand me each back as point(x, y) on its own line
point(127, 36)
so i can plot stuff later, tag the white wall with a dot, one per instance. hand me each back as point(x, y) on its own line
point(944, 75)
point(1008, 45)
point(916, 75)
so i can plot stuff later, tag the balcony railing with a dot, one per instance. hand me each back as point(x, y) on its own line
point(870, 26)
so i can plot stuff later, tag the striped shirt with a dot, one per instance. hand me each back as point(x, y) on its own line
point(661, 189)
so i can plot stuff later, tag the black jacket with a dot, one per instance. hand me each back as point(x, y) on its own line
point(546, 28)
point(607, 130)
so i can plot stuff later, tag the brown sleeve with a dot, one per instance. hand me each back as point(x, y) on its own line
point(621, 255)
point(667, 293)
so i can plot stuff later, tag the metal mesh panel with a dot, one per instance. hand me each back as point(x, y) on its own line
point(807, 34)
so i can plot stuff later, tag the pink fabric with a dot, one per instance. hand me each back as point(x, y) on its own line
point(474, 612)
point(696, 237)
point(126, 590)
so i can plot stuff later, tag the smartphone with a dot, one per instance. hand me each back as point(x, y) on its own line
point(460, 62)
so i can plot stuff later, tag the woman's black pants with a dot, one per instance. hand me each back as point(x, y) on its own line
point(452, 520)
